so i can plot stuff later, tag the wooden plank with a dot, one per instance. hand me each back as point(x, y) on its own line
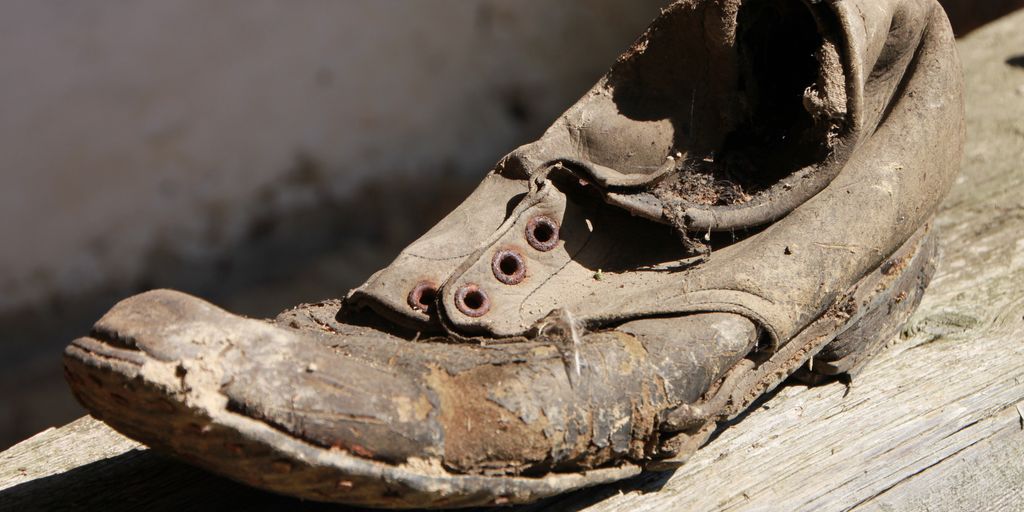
point(935, 423)
point(54, 451)
point(987, 475)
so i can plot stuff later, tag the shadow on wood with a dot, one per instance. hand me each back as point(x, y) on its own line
point(113, 485)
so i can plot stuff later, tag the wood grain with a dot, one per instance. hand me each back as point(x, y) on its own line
point(936, 422)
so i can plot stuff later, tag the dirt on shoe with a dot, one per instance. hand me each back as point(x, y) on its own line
point(745, 195)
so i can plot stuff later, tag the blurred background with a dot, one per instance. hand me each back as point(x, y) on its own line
point(258, 153)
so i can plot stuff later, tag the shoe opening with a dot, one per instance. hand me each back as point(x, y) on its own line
point(743, 93)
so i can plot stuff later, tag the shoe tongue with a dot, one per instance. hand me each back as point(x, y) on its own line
point(560, 249)
point(487, 268)
point(403, 291)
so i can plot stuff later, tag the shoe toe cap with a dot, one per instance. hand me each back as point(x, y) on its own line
point(298, 382)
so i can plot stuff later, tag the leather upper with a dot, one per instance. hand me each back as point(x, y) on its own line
point(887, 170)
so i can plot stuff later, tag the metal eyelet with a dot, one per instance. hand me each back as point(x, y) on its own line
point(422, 297)
point(542, 233)
point(472, 301)
point(509, 266)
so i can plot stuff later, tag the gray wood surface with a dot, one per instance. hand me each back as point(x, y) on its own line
point(936, 422)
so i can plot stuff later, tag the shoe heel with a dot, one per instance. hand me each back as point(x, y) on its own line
point(902, 280)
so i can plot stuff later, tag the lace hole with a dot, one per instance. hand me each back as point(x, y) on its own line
point(472, 301)
point(508, 266)
point(422, 297)
point(542, 233)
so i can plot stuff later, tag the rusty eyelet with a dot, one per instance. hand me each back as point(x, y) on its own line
point(508, 266)
point(472, 301)
point(542, 233)
point(422, 297)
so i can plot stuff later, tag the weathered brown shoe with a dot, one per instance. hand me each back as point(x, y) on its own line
point(746, 191)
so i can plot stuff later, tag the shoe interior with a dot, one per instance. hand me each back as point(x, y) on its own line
point(745, 101)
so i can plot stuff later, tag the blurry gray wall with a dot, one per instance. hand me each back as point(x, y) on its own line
point(254, 152)
point(136, 124)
